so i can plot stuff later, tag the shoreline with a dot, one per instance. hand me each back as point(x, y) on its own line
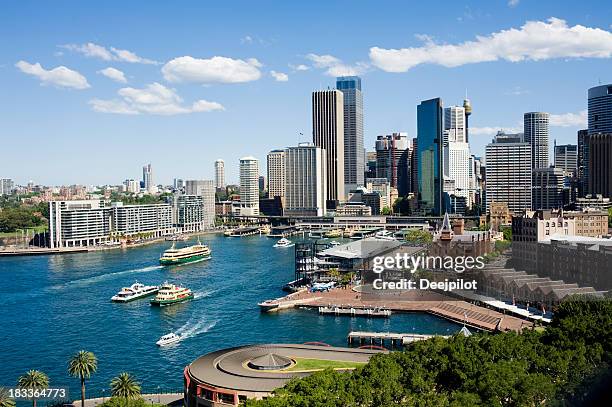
point(47, 251)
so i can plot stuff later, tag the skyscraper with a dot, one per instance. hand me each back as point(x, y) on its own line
point(328, 134)
point(350, 86)
point(276, 174)
point(548, 185)
point(393, 161)
point(220, 173)
point(457, 153)
point(249, 186)
point(535, 125)
point(147, 178)
point(566, 158)
point(600, 109)
point(600, 164)
point(430, 156)
point(205, 189)
point(508, 171)
point(583, 162)
point(306, 192)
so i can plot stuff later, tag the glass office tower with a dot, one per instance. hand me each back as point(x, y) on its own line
point(430, 158)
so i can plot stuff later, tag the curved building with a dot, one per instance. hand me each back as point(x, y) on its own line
point(228, 377)
point(600, 109)
point(535, 126)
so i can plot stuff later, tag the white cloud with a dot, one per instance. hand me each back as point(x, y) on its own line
point(59, 76)
point(513, 3)
point(113, 54)
point(215, 69)
point(247, 39)
point(299, 67)
point(535, 40)
point(569, 119)
point(279, 76)
point(114, 74)
point(335, 67)
point(153, 99)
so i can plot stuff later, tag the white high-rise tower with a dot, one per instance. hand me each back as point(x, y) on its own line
point(220, 173)
point(249, 186)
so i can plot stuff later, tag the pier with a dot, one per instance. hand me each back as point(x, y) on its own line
point(243, 231)
point(355, 311)
point(380, 338)
point(461, 312)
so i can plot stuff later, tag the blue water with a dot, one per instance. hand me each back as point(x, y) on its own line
point(53, 306)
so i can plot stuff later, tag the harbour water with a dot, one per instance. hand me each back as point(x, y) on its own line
point(53, 306)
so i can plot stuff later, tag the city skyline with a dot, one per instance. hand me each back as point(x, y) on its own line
point(173, 89)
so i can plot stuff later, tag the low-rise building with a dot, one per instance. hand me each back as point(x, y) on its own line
point(353, 209)
point(455, 241)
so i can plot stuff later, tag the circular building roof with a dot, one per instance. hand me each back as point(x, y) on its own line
point(260, 368)
point(270, 361)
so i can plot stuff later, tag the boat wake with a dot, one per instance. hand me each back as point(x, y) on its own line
point(203, 294)
point(191, 328)
point(83, 282)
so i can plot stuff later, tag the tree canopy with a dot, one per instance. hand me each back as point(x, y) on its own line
point(554, 367)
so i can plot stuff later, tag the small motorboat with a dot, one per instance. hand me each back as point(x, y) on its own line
point(284, 243)
point(168, 339)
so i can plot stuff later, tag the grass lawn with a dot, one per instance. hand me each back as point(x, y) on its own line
point(303, 364)
point(31, 231)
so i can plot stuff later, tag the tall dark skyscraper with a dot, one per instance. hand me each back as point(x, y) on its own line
point(393, 156)
point(600, 109)
point(536, 134)
point(430, 156)
point(350, 86)
point(583, 162)
point(600, 164)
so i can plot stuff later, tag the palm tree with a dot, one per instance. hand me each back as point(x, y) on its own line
point(126, 386)
point(5, 398)
point(35, 380)
point(82, 365)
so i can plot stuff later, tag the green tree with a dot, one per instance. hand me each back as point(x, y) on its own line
point(125, 386)
point(418, 236)
point(82, 365)
point(610, 217)
point(5, 399)
point(386, 211)
point(33, 380)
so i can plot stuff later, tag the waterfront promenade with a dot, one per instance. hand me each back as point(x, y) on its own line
point(168, 399)
point(430, 302)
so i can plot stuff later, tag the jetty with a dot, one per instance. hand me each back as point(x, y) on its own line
point(243, 231)
point(452, 309)
point(394, 339)
point(34, 251)
point(355, 311)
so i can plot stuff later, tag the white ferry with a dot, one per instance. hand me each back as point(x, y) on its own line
point(171, 294)
point(188, 254)
point(134, 292)
point(168, 339)
point(284, 243)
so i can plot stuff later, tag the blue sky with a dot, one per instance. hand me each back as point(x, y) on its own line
point(203, 80)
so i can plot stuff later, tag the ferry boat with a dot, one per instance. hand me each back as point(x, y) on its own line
point(187, 254)
point(333, 233)
point(171, 294)
point(168, 339)
point(134, 292)
point(284, 243)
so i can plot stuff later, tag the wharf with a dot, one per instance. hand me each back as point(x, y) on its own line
point(355, 311)
point(461, 312)
point(40, 250)
point(395, 339)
